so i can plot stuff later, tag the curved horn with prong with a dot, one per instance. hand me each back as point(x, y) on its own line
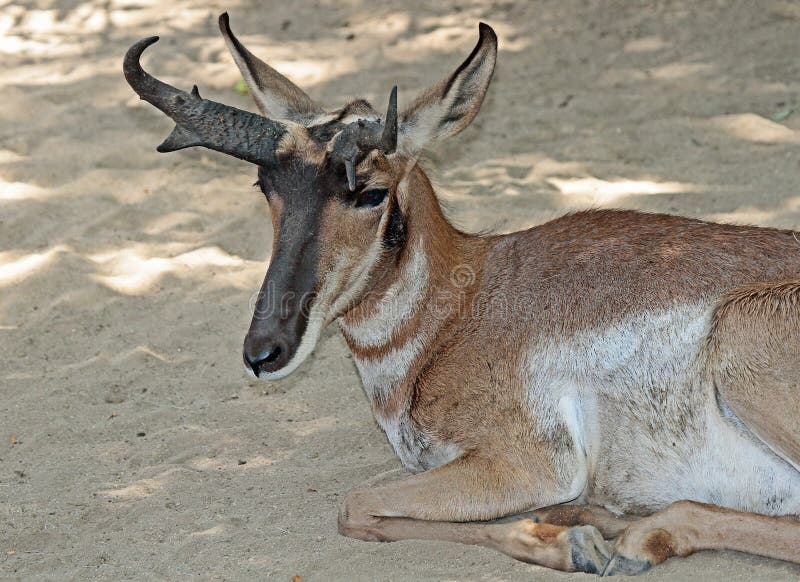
point(200, 122)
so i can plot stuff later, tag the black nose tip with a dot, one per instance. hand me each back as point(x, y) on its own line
point(267, 356)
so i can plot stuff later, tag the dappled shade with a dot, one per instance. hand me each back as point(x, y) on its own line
point(127, 277)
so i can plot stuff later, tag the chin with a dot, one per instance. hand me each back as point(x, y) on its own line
point(279, 374)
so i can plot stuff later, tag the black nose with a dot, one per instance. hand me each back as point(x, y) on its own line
point(268, 355)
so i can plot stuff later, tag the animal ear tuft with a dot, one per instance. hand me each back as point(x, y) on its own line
point(450, 106)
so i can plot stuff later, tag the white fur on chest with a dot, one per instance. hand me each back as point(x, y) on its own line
point(416, 450)
point(380, 377)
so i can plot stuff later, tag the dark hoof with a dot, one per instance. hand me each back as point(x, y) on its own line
point(622, 566)
point(589, 552)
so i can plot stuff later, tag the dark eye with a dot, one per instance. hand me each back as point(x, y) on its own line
point(371, 197)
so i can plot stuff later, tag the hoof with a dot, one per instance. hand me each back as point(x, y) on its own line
point(622, 566)
point(589, 552)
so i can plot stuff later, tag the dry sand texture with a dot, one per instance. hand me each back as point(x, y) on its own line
point(132, 446)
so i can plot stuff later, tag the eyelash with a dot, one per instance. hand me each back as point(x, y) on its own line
point(371, 198)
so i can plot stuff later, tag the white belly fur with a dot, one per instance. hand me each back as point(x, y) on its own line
point(652, 430)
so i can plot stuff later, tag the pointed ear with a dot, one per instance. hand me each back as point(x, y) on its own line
point(276, 96)
point(449, 106)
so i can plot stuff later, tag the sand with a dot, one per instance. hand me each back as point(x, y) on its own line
point(132, 445)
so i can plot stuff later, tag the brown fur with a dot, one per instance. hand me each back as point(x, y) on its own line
point(606, 522)
point(709, 259)
point(659, 261)
point(546, 532)
point(760, 385)
point(686, 527)
point(659, 546)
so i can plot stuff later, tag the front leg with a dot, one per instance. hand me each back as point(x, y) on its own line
point(434, 505)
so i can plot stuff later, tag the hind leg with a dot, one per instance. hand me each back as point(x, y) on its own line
point(681, 529)
point(754, 362)
point(606, 522)
point(687, 527)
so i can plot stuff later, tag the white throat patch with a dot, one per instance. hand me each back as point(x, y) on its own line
point(398, 305)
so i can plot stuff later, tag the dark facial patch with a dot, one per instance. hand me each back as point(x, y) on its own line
point(293, 275)
point(395, 234)
point(305, 192)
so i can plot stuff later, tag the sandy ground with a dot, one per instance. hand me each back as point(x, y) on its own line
point(132, 446)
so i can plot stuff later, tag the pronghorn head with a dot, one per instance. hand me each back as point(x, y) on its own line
point(335, 183)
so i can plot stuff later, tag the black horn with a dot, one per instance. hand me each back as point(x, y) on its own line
point(389, 135)
point(353, 142)
point(200, 122)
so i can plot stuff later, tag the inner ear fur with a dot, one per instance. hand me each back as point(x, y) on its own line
point(450, 106)
point(275, 95)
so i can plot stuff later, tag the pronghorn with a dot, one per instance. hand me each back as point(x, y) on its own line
point(608, 375)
